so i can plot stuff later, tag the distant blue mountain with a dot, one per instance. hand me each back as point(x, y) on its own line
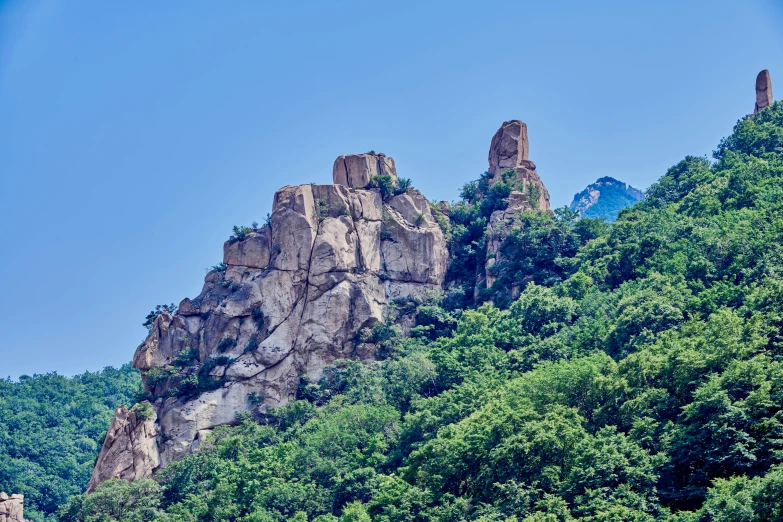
point(605, 198)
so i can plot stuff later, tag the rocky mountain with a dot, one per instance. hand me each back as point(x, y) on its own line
point(605, 198)
point(292, 296)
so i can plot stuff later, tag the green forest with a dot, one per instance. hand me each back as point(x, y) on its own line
point(636, 376)
point(51, 430)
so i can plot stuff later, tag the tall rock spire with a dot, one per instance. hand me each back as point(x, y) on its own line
point(763, 91)
point(509, 151)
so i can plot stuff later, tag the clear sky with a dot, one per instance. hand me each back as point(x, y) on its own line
point(133, 135)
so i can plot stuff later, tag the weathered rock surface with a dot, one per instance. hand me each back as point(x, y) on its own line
point(356, 170)
point(11, 508)
point(509, 151)
point(509, 147)
point(130, 449)
point(605, 198)
point(293, 297)
point(763, 91)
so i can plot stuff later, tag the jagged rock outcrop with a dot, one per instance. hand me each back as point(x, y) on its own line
point(605, 198)
point(130, 450)
point(292, 297)
point(509, 152)
point(356, 170)
point(11, 508)
point(763, 91)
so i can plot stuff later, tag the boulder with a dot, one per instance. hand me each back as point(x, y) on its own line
point(253, 252)
point(11, 508)
point(356, 170)
point(763, 91)
point(509, 147)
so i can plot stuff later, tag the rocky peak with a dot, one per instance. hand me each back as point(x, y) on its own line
point(605, 198)
point(509, 148)
point(508, 151)
point(763, 91)
point(11, 508)
point(290, 298)
point(356, 170)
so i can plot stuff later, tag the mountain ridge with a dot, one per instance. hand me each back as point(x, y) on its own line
point(605, 198)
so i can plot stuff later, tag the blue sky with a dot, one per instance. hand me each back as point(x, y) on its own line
point(133, 136)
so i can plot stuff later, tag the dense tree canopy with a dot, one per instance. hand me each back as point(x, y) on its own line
point(51, 429)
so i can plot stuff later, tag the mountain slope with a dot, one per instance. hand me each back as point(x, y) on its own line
point(605, 199)
point(51, 428)
point(636, 374)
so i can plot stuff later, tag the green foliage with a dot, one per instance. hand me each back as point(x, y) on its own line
point(220, 267)
point(143, 410)
point(403, 184)
point(159, 309)
point(186, 357)
point(384, 183)
point(389, 186)
point(115, 500)
point(258, 317)
point(51, 429)
point(240, 234)
point(226, 344)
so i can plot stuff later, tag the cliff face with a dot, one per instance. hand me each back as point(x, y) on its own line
point(605, 198)
point(290, 298)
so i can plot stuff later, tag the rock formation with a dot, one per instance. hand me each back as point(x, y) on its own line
point(763, 91)
point(291, 297)
point(605, 198)
point(509, 152)
point(11, 508)
point(130, 450)
point(356, 170)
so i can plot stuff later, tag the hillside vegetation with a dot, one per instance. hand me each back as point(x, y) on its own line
point(51, 430)
point(638, 376)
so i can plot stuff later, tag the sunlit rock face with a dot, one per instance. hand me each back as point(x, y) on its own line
point(291, 298)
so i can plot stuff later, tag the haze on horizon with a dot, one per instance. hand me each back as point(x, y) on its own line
point(133, 140)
